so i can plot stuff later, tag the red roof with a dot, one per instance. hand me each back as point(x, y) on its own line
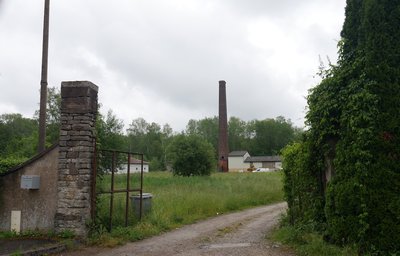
point(137, 161)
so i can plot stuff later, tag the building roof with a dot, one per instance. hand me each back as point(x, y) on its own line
point(238, 153)
point(253, 159)
point(137, 161)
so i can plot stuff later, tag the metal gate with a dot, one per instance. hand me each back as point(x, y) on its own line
point(111, 166)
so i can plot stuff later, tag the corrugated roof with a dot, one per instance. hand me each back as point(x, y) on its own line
point(238, 153)
point(263, 159)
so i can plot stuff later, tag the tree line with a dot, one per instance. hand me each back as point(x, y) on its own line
point(19, 135)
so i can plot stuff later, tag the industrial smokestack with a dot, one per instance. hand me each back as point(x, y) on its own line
point(223, 130)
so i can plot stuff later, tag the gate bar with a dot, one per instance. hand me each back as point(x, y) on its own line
point(112, 188)
point(127, 190)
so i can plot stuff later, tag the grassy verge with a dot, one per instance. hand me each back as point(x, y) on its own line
point(182, 200)
point(307, 243)
point(66, 238)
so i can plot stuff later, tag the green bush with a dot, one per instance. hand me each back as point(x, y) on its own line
point(191, 156)
point(10, 162)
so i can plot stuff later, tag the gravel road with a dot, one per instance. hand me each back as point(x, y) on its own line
point(240, 233)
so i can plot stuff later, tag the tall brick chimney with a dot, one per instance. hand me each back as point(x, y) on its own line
point(223, 130)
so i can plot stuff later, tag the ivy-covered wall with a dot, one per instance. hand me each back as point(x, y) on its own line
point(354, 120)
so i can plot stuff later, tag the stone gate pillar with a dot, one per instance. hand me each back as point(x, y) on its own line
point(76, 152)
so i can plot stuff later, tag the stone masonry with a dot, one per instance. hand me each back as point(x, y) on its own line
point(76, 153)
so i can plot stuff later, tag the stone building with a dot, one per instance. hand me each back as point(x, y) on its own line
point(52, 191)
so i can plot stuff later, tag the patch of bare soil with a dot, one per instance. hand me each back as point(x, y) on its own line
point(240, 233)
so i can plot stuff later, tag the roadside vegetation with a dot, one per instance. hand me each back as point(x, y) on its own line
point(307, 242)
point(183, 200)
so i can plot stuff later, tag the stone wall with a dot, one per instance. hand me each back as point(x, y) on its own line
point(76, 152)
point(38, 206)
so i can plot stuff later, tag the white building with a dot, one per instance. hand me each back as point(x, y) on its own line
point(236, 161)
point(135, 166)
point(239, 161)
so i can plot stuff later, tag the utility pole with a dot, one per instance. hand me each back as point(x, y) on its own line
point(223, 130)
point(43, 81)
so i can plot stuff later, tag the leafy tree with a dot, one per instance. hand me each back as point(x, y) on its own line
point(153, 140)
point(138, 127)
point(191, 156)
point(136, 135)
point(18, 140)
point(153, 146)
point(206, 128)
point(237, 137)
point(18, 136)
point(109, 136)
point(52, 115)
point(259, 137)
point(150, 139)
point(110, 132)
point(271, 135)
point(166, 138)
point(192, 127)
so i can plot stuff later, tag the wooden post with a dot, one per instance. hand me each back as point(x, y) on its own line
point(43, 81)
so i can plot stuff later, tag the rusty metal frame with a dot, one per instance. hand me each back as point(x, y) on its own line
point(112, 190)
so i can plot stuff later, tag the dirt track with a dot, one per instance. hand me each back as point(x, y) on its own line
point(241, 233)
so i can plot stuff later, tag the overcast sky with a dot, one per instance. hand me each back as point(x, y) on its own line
point(162, 59)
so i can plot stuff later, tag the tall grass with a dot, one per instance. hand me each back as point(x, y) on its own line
point(182, 200)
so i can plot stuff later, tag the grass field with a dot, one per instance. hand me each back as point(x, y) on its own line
point(182, 200)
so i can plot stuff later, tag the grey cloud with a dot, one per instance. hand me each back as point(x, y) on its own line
point(177, 54)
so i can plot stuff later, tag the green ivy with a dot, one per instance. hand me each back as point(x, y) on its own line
point(302, 186)
point(354, 119)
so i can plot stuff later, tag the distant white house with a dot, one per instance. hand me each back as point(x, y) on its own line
point(236, 161)
point(135, 166)
point(239, 161)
